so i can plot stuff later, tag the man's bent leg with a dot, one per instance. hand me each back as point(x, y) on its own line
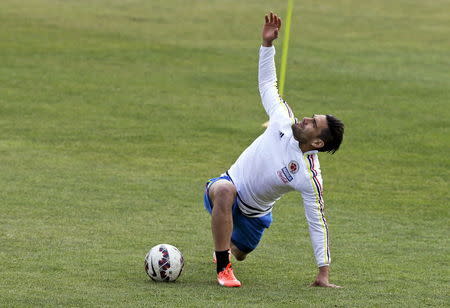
point(222, 194)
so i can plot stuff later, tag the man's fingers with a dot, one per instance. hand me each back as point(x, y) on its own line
point(327, 285)
point(273, 19)
point(333, 286)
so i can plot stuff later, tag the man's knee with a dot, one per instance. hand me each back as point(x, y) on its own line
point(239, 255)
point(222, 193)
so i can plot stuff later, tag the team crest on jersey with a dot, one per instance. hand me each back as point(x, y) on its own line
point(293, 167)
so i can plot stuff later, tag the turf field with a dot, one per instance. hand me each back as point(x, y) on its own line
point(114, 113)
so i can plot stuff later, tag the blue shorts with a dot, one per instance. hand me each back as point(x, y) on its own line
point(247, 231)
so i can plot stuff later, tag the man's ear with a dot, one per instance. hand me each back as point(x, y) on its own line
point(317, 143)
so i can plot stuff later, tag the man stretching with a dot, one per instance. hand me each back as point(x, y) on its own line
point(284, 158)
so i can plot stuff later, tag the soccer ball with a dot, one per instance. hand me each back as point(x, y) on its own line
point(164, 262)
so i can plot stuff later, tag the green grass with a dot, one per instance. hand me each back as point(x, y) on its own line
point(114, 113)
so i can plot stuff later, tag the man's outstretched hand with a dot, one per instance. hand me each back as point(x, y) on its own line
point(270, 29)
point(322, 279)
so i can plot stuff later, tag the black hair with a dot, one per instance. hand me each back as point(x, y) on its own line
point(333, 135)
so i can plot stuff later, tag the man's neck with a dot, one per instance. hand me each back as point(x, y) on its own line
point(305, 148)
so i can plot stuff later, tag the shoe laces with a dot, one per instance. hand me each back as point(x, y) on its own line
point(228, 272)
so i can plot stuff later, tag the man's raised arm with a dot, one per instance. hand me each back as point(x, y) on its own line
point(267, 77)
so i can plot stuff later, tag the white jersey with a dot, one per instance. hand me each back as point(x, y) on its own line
point(274, 164)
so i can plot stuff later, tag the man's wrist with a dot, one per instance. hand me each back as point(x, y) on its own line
point(324, 270)
point(267, 43)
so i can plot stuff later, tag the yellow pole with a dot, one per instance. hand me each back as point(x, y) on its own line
point(284, 54)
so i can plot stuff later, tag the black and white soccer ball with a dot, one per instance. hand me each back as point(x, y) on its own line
point(164, 262)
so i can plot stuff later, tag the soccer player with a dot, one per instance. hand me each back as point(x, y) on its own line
point(284, 158)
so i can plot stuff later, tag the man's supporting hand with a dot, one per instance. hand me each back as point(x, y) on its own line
point(322, 279)
point(270, 29)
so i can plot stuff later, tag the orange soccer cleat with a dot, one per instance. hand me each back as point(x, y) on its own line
point(226, 278)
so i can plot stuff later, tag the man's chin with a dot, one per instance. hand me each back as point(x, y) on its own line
point(297, 132)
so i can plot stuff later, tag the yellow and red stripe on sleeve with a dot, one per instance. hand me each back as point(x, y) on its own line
point(288, 109)
point(311, 161)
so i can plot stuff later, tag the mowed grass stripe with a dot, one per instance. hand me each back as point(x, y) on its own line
point(115, 113)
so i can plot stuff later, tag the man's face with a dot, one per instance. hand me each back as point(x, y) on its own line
point(307, 131)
